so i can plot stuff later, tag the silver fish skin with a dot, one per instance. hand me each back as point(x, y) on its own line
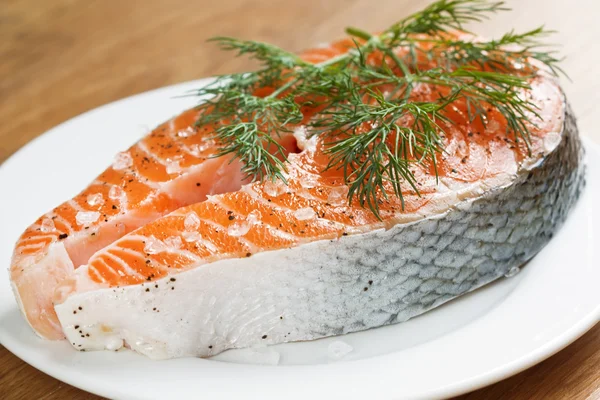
point(334, 287)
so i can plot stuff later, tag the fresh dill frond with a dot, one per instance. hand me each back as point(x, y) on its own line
point(375, 137)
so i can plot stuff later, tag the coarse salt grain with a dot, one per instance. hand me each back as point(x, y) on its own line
point(47, 225)
point(305, 213)
point(154, 245)
point(191, 236)
point(115, 192)
point(274, 189)
point(95, 199)
point(173, 166)
point(191, 221)
point(173, 242)
point(238, 229)
point(122, 160)
point(86, 217)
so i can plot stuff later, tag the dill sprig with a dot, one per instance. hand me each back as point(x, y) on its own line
point(376, 136)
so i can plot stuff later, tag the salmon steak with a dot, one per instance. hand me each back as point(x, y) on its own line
point(174, 250)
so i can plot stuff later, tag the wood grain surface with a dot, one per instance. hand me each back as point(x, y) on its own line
point(59, 58)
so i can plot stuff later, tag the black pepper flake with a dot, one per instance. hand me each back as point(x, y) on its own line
point(264, 336)
point(453, 171)
point(229, 212)
point(198, 184)
point(172, 279)
point(172, 287)
point(366, 288)
point(154, 309)
point(269, 200)
point(147, 289)
point(280, 317)
point(63, 236)
point(131, 180)
point(156, 286)
point(74, 311)
point(93, 234)
point(464, 160)
point(87, 227)
point(76, 327)
point(231, 217)
point(82, 336)
point(370, 282)
point(147, 261)
point(345, 234)
point(114, 207)
point(87, 335)
point(80, 308)
point(470, 134)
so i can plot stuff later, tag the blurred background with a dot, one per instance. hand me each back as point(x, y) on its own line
point(60, 58)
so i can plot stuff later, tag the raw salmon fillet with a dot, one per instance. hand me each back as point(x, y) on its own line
point(230, 264)
point(169, 168)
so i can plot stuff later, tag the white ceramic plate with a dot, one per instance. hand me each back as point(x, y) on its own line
point(471, 342)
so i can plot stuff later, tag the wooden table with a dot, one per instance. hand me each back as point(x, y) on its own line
point(63, 57)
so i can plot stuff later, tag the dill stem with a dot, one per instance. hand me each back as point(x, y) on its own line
point(283, 88)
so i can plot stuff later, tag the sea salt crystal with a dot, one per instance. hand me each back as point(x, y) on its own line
point(122, 160)
point(191, 221)
point(191, 236)
point(253, 217)
point(238, 229)
point(87, 217)
point(338, 349)
point(309, 181)
point(198, 149)
point(174, 242)
point(305, 213)
point(95, 199)
point(173, 166)
point(206, 144)
point(512, 272)
point(187, 132)
point(154, 246)
point(47, 225)
point(338, 196)
point(492, 126)
point(115, 193)
point(194, 150)
point(274, 189)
